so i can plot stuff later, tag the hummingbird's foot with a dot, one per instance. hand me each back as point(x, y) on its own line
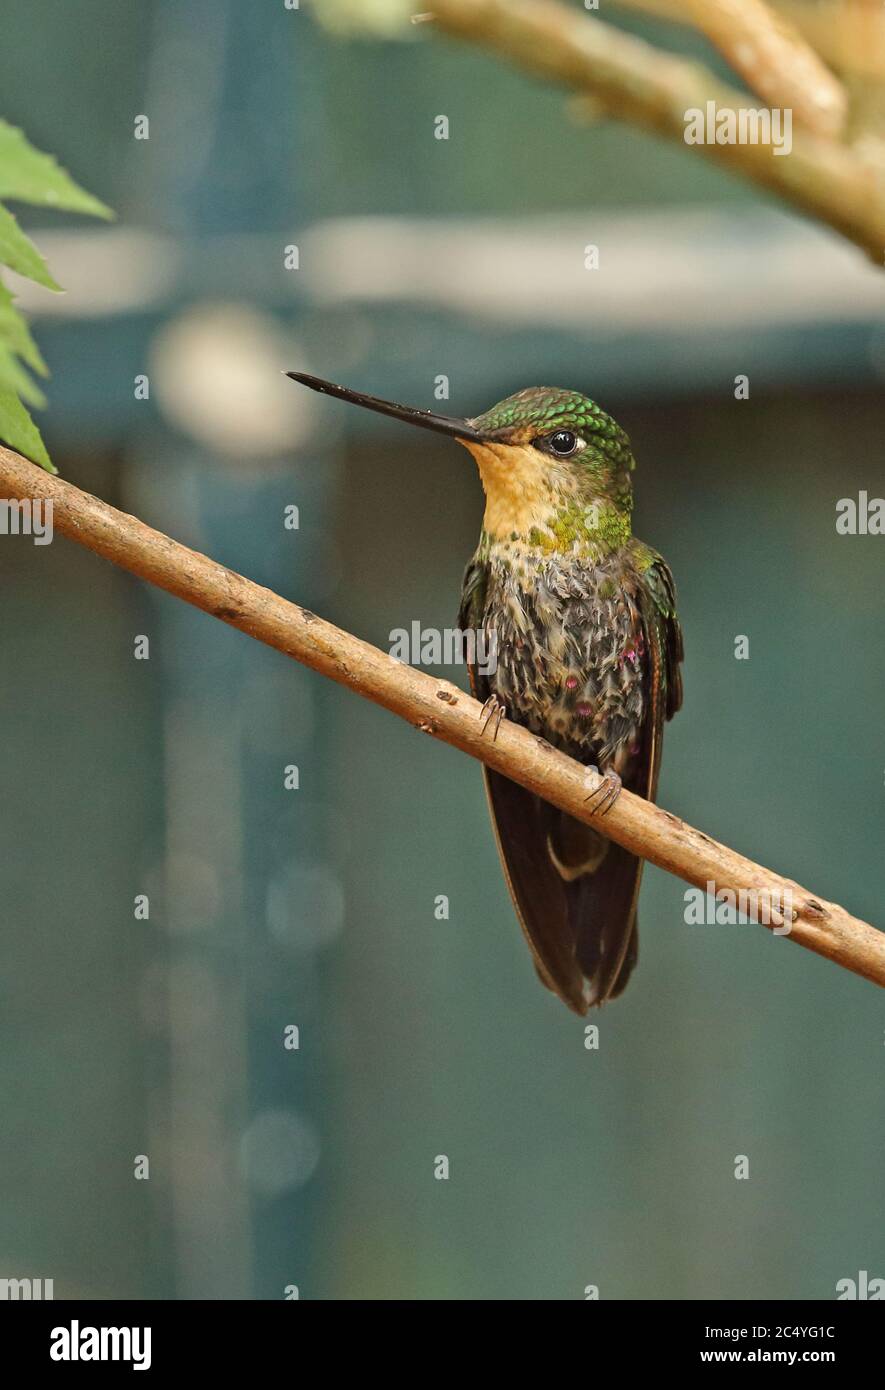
point(608, 789)
point(493, 712)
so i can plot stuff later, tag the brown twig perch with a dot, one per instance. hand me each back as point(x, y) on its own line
point(635, 81)
point(438, 708)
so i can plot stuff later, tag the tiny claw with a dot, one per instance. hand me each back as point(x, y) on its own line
point(608, 789)
point(493, 710)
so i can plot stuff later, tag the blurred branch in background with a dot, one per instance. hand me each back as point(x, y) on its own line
point(446, 712)
point(626, 77)
point(769, 53)
point(848, 34)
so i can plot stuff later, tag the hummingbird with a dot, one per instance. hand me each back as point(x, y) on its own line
point(582, 619)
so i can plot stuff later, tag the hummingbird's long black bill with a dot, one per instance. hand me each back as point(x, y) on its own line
point(443, 424)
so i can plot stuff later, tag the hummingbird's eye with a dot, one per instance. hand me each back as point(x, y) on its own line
point(562, 443)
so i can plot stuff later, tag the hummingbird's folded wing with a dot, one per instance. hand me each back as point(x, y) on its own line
point(663, 680)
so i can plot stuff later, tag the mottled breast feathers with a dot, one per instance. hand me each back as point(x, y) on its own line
point(587, 657)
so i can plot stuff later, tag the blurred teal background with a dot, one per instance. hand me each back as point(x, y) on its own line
point(417, 258)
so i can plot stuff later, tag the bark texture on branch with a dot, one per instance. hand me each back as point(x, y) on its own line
point(438, 708)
